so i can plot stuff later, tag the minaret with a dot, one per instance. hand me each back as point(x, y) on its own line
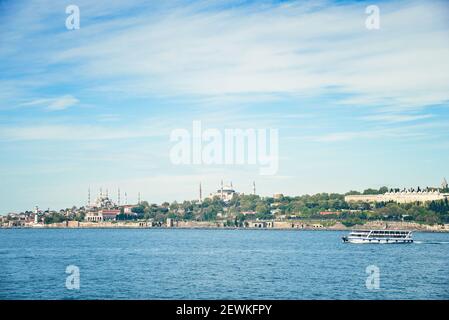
point(101, 192)
point(118, 196)
point(138, 198)
point(107, 193)
point(126, 198)
point(201, 194)
point(444, 184)
point(254, 187)
point(221, 189)
point(88, 196)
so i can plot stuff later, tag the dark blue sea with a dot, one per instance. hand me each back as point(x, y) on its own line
point(217, 264)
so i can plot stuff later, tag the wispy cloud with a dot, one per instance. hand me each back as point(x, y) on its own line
point(261, 49)
point(78, 132)
point(109, 118)
point(414, 131)
point(54, 104)
point(395, 118)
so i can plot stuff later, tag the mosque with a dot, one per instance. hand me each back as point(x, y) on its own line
point(101, 202)
point(103, 208)
point(226, 193)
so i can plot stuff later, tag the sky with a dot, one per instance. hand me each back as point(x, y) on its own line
point(94, 107)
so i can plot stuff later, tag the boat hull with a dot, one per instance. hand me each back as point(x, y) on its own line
point(374, 240)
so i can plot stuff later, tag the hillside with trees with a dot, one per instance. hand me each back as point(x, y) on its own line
point(317, 206)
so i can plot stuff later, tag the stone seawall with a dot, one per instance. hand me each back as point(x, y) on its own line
point(277, 225)
point(393, 225)
point(93, 225)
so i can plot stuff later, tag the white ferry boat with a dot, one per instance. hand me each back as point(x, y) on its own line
point(379, 236)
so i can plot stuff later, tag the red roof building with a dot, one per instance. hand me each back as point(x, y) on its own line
point(326, 213)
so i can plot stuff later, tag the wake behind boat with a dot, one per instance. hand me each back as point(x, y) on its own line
point(379, 236)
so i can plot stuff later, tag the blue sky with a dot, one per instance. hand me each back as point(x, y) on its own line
point(355, 108)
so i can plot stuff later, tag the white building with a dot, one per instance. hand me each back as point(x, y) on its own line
point(444, 184)
point(102, 201)
point(102, 215)
point(225, 193)
point(405, 196)
point(128, 209)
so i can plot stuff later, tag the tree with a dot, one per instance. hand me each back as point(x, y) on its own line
point(352, 193)
point(262, 208)
point(122, 217)
point(210, 215)
point(144, 204)
point(138, 209)
point(352, 222)
point(174, 206)
point(383, 190)
point(371, 191)
point(54, 217)
point(188, 215)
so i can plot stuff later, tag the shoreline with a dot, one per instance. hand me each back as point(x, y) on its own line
point(276, 225)
point(199, 228)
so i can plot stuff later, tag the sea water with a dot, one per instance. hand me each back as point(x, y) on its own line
point(217, 264)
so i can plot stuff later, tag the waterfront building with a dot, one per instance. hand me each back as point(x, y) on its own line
point(93, 217)
point(259, 224)
point(128, 209)
point(109, 214)
point(170, 223)
point(404, 196)
point(102, 215)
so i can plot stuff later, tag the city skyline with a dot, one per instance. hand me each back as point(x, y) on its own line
point(121, 198)
point(354, 108)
